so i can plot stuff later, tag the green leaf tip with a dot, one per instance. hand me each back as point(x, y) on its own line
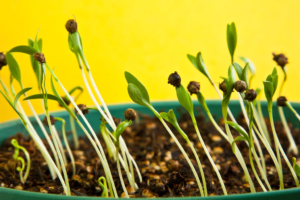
point(231, 39)
point(24, 49)
point(199, 64)
point(185, 99)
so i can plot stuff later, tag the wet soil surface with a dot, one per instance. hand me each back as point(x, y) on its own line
point(165, 171)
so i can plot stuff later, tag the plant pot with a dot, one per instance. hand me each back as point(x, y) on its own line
point(10, 128)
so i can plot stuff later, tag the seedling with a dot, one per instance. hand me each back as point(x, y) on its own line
point(171, 118)
point(103, 185)
point(281, 61)
point(17, 157)
point(186, 102)
point(138, 94)
point(67, 143)
point(296, 167)
point(270, 86)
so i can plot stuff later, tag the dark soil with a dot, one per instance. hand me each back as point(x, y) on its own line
point(165, 171)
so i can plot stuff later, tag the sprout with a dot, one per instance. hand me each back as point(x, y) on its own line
point(103, 185)
point(16, 157)
point(270, 86)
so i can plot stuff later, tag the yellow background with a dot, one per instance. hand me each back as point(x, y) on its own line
point(151, 39)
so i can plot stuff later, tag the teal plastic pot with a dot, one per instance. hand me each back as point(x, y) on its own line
point(10, 128)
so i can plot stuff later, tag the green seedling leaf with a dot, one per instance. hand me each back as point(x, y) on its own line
point(75, 42)
point(274, 72)
point(200, 65)
point(40, 44)
point(103, 185)
point(245, 75)
point(238, 128)
point(269, 90)
point(238, 69)
point(19, 95)
point(231, 38)
point(24, 49)
point(258, 92)
point(238, 138)
point(41, 96)
point(171, 118)
point(14, 67)
point(185, 99)
point(251, 65)
point(201, 100)
point(35, 43)
point(121, 128)
point(231, 80)
point(275, 82)
point(296, 167)
point(137, 96)
point(132, 79)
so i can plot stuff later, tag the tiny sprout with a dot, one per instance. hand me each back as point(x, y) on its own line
point(250, 95)
point(240, 86)
point(193, 87)
point(130, 114)
point(281, 101)
point(2, 60)
point(174, 79)
point(39, 57)
point(83, 109)
point(102, 183)
point(45, 121)
point(280, 59)
point(71, 26)
point(222, 87)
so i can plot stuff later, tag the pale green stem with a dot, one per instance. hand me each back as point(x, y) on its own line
point(260, 120)
point(109, 121)
point(74, 132)
point(28, 163)
point(67, 143)
point(105, 164)
point(282, 151)
point(293, 146)
point(61, 148)
point(120, 174)
point(63, 166)
point(38, 139)
point(255, 173)
point(293, 110)
point(208, 155)
point(261, 155)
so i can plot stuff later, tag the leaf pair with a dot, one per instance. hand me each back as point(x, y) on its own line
point(75, 42)
point(231, 39)
point(34, 63)
point(270, 86)
point(199, 64)
point(120, 129)
point(229, 86)
point(137, 91)
point(243, 137)
point(242, 73)
point(171, 118)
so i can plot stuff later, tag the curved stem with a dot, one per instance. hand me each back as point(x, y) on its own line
point(67, 143)
point(208, 155)
point(293, 110)
point(200, 167)
point(28, 163)
point(261, 121)
point(255, 173)
point(293, 146)
point(120, 174)
point(282, 151)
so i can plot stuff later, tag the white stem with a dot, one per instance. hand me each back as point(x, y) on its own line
point(36, 138)
point(59, 144)
point(121, 176)
point(261, 155)
point(209, 157)
point(293, 146)
point(260, 120)
point(63, 166)
point(183, 152)
point(74, 132)
point(105, 164)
